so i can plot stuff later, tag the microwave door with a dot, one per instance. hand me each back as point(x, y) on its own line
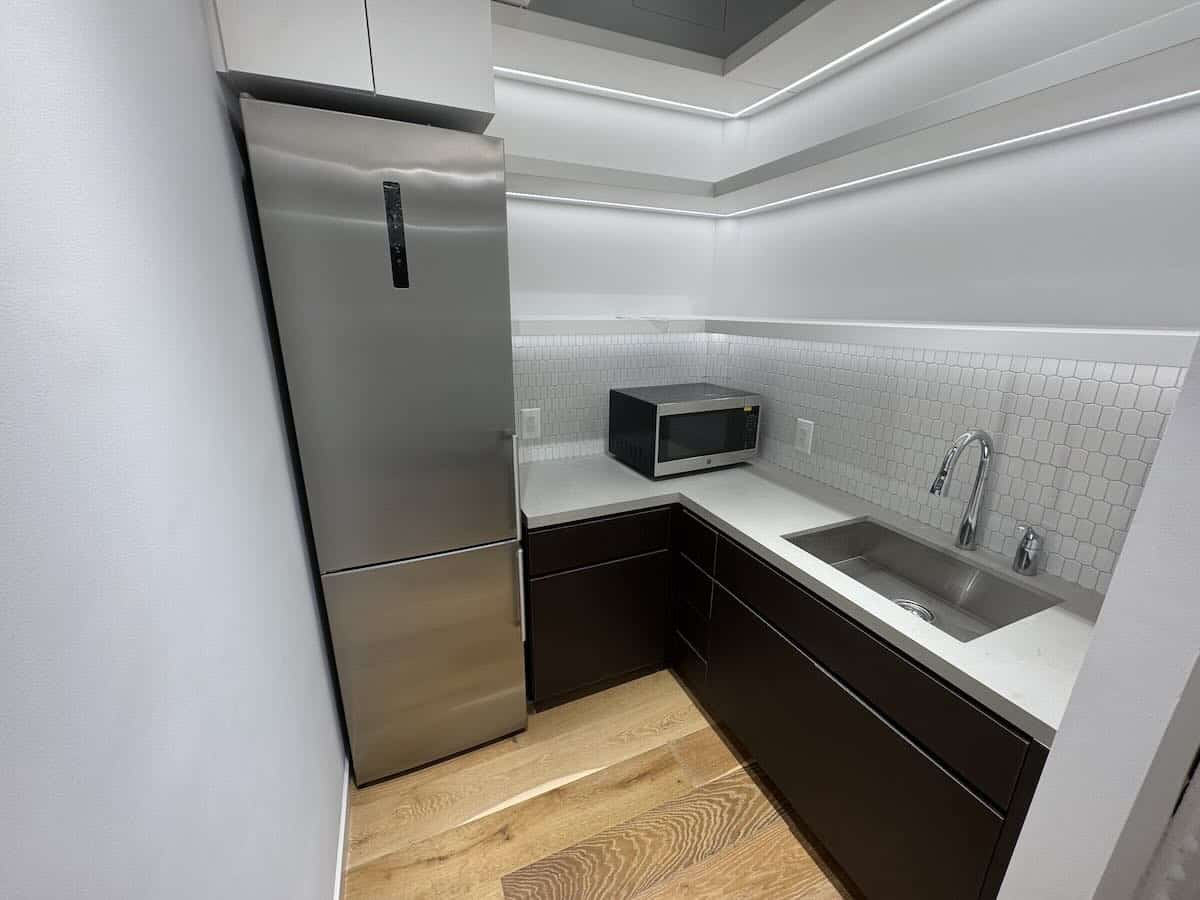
point(688, 441)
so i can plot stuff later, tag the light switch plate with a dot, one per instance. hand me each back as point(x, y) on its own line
point(804, 435)
point(531, 424)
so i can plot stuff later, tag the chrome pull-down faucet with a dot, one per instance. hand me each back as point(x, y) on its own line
point(970, 520)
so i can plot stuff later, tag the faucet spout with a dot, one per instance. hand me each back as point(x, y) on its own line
point(970, 520)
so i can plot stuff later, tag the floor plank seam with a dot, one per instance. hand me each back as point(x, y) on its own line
point(630, 794)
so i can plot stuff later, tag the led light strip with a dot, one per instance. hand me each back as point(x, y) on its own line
point(852, 55)
point(522, 75)
point(757, 105)
point(1111, 118)
point(613, 204)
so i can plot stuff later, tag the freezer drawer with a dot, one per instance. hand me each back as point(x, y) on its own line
point(429, 656)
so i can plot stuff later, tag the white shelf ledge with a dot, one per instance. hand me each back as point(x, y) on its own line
point(1168, 347)
point(1147, 69)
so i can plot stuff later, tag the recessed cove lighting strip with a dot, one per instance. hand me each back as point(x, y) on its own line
point(854, 55)
point(613, 204)
point(1105, 119)
point(851, 56)
point(1111, 118)
point(538, 78)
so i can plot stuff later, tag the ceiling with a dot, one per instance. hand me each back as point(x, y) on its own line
point(713, 27)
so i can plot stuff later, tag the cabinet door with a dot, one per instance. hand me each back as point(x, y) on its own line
point(437, 52)
point(899, 824)
point(319, 41)
point(598, 623)
point(692, 587)
point(985, 751)
point(694, 539)
point(689, 666)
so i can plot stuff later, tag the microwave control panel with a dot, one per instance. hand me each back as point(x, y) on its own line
point(751, 427)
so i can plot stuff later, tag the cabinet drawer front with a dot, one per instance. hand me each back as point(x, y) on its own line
point(690, 667)
point(597, 623)
point(984, 751)
point(693, 626)
point(900, 825)
point(692, 586)
point(563, 547)
point(694, 539)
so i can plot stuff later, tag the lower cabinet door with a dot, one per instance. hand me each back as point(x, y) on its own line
point(688, 665)
point(598, 623)
point(899, 824)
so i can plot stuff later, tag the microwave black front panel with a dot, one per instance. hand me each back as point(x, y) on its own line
point(707, 433)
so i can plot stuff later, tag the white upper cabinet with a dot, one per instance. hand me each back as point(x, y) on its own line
point(427, 61)
point(434, 51)
point(319, 41)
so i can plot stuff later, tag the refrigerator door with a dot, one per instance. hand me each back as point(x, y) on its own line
point(387, 253)
point(429, 656)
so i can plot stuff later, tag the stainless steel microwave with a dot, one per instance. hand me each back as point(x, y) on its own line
point(677, 428)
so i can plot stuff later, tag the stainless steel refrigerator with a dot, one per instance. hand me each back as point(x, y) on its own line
point(386, 252)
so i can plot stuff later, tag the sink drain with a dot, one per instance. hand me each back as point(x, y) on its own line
point(916, 609)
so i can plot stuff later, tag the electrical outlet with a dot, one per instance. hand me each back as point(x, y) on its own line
point(531, 424)
point(804, 435)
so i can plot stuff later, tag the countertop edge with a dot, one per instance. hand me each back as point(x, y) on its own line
point(603, 509)
point(980, 692)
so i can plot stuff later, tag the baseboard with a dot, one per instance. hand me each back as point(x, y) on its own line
point(339, 875)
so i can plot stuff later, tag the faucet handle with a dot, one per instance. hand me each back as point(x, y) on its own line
point(1029, 550)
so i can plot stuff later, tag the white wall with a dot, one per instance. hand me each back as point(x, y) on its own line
point(1089, 231)
point(169, 726)
point(986, 39)
point(585, 261)
point(1132, 727)
point(1092, 230)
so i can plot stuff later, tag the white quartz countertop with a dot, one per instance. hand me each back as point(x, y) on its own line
point(1023, 672)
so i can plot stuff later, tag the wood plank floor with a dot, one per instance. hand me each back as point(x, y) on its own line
point(624, 794)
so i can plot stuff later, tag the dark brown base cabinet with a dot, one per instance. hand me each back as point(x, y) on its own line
point(597, 603)
point(596, 624)
point(916, 791)
point(891, 817)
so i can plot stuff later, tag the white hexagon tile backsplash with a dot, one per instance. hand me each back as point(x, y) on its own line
point(1074, 439)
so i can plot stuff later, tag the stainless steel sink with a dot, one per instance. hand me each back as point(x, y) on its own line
point(937, 586)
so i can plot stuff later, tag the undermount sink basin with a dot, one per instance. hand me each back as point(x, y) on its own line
point(935, 585)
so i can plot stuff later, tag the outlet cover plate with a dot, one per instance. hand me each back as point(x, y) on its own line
point(531, 424)
point(804, 435)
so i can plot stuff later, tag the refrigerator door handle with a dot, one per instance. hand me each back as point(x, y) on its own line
point(521, 591)
point(516, 466)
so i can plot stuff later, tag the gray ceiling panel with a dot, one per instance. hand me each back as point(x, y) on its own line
point(709, 13)
point(714, 27)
